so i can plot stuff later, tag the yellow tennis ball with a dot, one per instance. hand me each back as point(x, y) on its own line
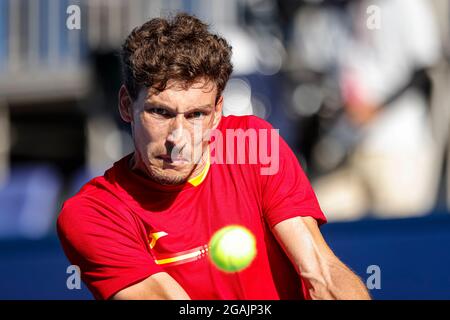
point(232, 248)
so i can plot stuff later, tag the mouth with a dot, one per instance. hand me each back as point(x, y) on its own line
point(179, 160)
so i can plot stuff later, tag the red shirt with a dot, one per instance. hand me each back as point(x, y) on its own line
point(121, 228)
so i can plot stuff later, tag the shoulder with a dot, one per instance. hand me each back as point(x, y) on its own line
point(93, 208)
point(78, 213)
point(98, 197)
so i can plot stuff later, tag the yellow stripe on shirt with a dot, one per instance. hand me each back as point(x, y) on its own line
point(199, 179)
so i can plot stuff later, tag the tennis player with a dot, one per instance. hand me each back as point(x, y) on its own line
point(141, 230)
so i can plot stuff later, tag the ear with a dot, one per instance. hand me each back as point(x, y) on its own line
point(125, 105)
point(218, 112)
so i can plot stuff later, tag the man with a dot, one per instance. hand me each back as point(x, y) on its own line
point(141, 231)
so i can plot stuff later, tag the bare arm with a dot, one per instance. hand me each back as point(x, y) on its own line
point(160, 286)
point(325, 275)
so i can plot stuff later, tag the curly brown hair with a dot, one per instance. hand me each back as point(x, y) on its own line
point(178, 48)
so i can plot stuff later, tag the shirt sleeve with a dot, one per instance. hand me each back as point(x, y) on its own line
point(286, 191)
point(105, 244)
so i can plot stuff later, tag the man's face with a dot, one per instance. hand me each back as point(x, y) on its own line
point(169, 129)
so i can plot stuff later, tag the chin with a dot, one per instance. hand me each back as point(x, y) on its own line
point(169, 176)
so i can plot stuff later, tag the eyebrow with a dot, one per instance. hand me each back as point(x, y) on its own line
point(162, 105)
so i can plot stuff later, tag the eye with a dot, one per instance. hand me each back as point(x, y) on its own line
point(160, 112)
point(196, 115)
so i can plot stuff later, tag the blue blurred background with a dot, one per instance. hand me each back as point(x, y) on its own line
point(359, 89)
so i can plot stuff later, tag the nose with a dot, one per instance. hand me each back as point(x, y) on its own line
point(176, 134)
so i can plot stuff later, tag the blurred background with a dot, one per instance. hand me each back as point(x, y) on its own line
point(359, 89)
